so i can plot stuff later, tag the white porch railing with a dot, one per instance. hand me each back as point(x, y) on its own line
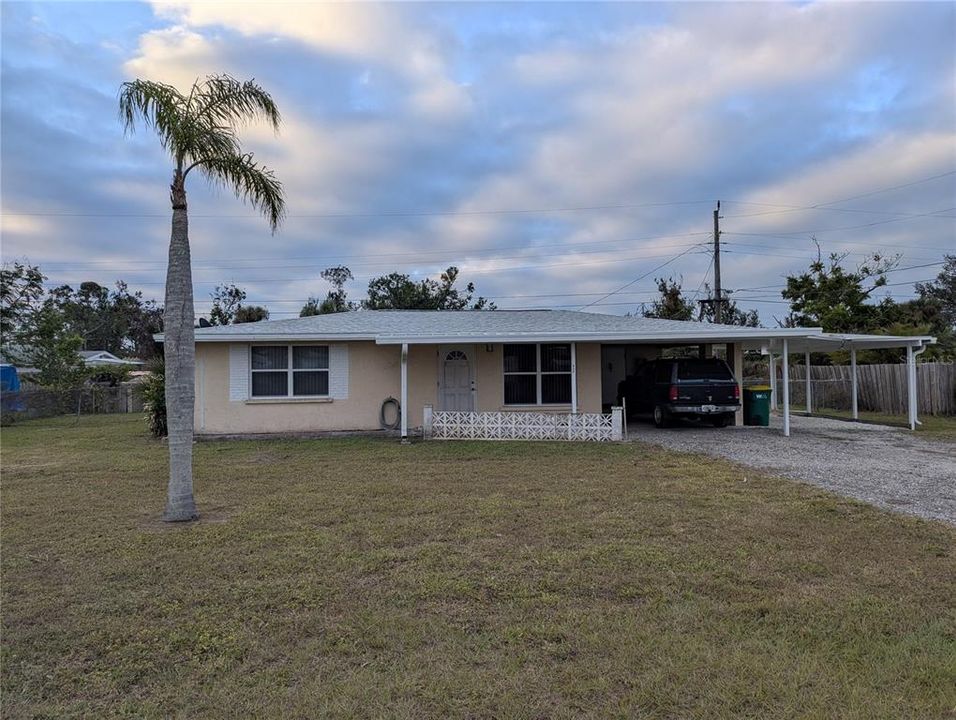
point(456, 425)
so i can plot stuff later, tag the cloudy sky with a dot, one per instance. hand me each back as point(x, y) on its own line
point(555, 153)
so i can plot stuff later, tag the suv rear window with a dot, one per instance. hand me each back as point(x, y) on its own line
point(662, 372)
point(703, 370)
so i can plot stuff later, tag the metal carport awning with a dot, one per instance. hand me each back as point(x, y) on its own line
point(831, 342)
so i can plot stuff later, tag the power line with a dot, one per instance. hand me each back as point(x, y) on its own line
point(638, 279)
point(824, 206)
point(391, 213)
point(934, 213)
point(703, 280)
point(774, 247)
point(328, 258)
point(477, 271)
point(894, 187)
point(893, 246)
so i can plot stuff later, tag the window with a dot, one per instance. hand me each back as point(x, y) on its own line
point(664, 371)
point(537, 374)
point(703, 369)
point(290, 370)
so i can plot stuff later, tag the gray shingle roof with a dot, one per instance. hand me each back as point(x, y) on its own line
point(387, 326)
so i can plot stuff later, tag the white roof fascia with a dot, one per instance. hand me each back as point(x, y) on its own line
point(829, 342)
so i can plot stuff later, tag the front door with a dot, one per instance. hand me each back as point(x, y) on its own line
point(456, 391)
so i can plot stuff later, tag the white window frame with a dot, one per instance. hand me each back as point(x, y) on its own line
point(538, 372)
point(290, 371)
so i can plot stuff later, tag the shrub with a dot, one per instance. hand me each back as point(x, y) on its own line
point(153, 390)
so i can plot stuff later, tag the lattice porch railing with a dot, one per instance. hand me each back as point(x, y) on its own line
point(456, 425)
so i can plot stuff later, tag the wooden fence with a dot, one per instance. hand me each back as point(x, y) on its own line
point(881, 388)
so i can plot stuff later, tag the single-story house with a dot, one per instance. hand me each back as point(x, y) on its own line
point(95, 358)
point(333, 372)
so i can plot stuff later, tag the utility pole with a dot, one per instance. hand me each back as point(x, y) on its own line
point(718, 297)
point(717, 301)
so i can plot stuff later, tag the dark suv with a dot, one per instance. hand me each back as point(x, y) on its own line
point(703, 388)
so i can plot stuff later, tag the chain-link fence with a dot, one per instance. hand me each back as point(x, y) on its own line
point(34, 402)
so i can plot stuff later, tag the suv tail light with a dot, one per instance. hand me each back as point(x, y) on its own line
point(672, 394)
point(736, 392)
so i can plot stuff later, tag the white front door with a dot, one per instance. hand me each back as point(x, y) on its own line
point(456, 385)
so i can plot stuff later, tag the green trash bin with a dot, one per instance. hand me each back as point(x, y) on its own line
point(757, 405)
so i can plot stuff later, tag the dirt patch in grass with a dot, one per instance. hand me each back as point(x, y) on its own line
point(361, 578)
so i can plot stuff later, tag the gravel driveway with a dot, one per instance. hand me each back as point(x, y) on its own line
point(889, 467)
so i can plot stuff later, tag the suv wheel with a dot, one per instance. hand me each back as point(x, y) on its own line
point(660, 417)
point(720, 421)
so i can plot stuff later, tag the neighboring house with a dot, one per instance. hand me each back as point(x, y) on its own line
point(333, 372)
point(95, 358)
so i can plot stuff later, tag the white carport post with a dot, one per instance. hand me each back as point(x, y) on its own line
point(773, 382)
point(404, 409)
point(807, 380)
point(853, 385)
point(911, 385)
point(786, 388)
point(574, 379)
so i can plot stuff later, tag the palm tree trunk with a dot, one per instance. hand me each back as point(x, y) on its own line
point(180, 355)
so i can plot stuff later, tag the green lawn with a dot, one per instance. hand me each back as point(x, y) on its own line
point(360, 578)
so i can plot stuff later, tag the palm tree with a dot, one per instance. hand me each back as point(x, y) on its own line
point(198, 130)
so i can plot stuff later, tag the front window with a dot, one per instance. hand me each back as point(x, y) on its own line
point(290, 370)
point(537, 374)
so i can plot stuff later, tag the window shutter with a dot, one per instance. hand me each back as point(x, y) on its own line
point(238, 373)
point(339, 372)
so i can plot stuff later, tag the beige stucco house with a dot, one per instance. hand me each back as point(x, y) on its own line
point(334, 372)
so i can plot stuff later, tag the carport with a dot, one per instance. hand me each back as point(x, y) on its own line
point(783, 348)
point(780, 344)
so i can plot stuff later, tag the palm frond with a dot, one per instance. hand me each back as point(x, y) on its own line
point(199, 131)
point(224, 100)
point(199, 141)
point(158, 105)
point(252, 182)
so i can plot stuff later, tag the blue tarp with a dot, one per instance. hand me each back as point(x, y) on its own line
point(10, 389)
point(9, 380)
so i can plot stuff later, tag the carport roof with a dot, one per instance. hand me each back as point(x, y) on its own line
point(830, 342)
point(484, 326)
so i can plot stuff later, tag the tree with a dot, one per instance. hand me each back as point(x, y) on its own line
point(672, 305)
point(312, 307)
point(397, 291)
point(250, 313)
point(227, 307)
point(942, 291)
point(118, 321)
point(198, 130)
point(153, 392)
point(138, 319)
point(337, 299)
point(730, 315)
point(52, 349)
point(21, 288)
point(835, 299)
point(226, 301)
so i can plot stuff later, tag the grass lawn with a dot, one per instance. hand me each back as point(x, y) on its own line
point(359, 578)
